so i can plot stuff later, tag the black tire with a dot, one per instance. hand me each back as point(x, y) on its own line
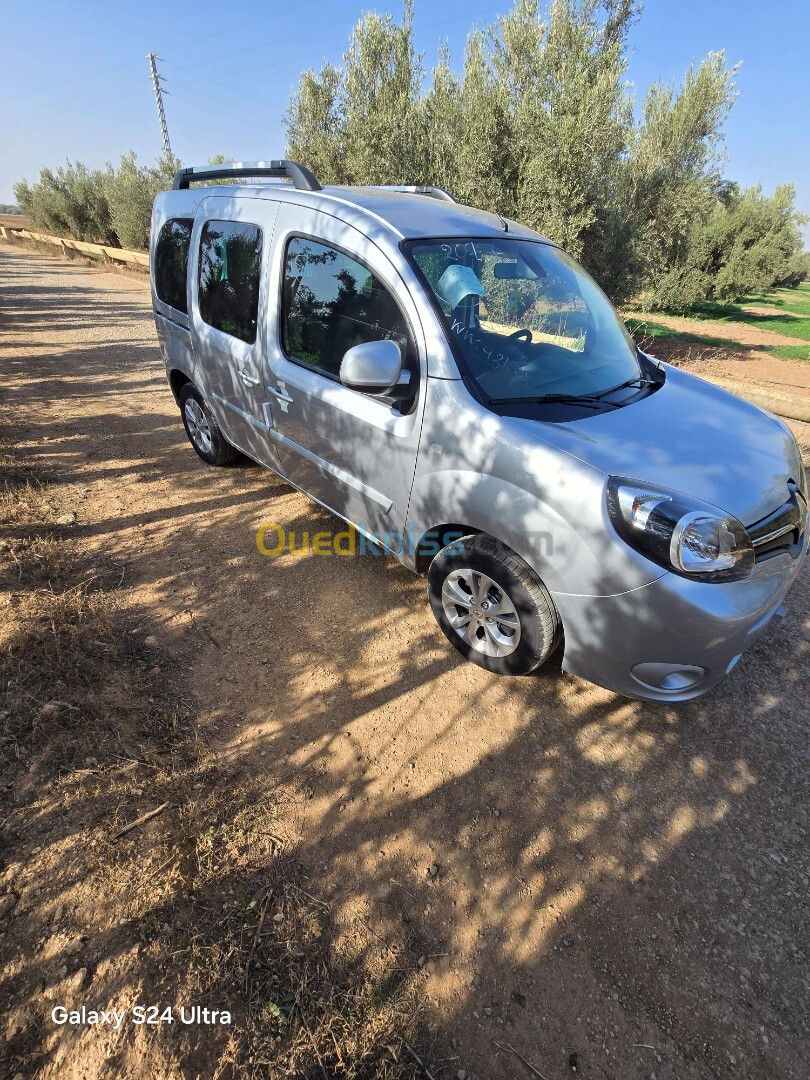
point(205, 436)
point(459, 567)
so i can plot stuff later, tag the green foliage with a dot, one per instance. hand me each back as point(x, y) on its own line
point(790, 352)
point(363, 119)
point(539, 126)
point(744, 242)
point(380, 99)
point(69, 201)
point(670, 177)
point(766, 317)
point(795, 299)
point(131, 190)
point(111, 206)
point(570, 113)
point(314, 125)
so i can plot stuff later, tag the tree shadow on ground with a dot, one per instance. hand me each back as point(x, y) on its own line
point(595, 883)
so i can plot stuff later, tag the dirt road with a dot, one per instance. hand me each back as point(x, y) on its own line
point(621, 887)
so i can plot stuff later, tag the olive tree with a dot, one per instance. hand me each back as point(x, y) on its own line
point(361, 123)
point(538, 125)
point(131, 190)
point(69, 201)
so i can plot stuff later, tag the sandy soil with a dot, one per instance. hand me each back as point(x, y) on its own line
point(744, 333)
point(621, 887)
point(781, 386)
point(770, 312)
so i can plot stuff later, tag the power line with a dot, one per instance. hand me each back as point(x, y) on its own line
point(275, 64)
point(240, 91)
point(246, 118)
point(219, 56)
point(233, 28)
point(59, 84)
point(80, 104)
point(42, 89)
point(111, 97)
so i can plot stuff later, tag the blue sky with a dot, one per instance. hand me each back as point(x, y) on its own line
point(81, 90)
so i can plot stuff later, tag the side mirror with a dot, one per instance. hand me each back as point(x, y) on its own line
point(375, 367)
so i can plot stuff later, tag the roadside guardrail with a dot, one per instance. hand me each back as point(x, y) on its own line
point(140, 258)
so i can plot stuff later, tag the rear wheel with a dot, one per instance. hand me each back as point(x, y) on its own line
point(202, 429)
point(492, 607)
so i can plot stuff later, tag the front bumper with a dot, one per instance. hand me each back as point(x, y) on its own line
point(698, 630)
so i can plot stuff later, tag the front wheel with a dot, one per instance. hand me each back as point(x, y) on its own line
point(202, 429)
point(492, 607)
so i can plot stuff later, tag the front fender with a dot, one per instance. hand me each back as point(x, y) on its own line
point(477, 469)
point(577, 552)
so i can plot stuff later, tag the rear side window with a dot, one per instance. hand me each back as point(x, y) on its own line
point(230, 259)
point(171, 262)
point(331, 302)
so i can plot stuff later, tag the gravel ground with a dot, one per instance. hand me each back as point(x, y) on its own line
point(605, 888)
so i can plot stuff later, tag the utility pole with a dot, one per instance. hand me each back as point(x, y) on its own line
point(156, 84)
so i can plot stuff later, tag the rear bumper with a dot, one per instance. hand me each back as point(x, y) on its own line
point(673, 639)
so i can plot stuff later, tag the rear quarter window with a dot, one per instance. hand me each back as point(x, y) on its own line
point(171, 262)
point(230, 261)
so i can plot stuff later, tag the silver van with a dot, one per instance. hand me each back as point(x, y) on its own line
point(463, 393)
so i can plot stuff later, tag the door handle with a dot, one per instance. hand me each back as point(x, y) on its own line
point(282, 395)
point(247, 378)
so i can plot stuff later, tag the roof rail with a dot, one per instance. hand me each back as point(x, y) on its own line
point(419, 189)
point(301, 177)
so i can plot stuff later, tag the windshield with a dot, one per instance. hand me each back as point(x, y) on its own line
point(526, 318)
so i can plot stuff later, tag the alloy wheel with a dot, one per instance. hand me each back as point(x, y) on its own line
point(480, 612)
point(198, 427)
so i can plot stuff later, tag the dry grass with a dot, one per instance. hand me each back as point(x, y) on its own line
point(63, 637)
point(25, 502)
point(95, 728)
point(314, 1004)
point(675, 351)
point(41, 561)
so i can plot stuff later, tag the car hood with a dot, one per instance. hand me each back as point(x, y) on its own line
point(691, 436)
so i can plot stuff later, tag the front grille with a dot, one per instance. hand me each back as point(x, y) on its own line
point(782, 530)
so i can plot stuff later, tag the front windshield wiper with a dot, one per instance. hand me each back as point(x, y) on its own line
point(638, 380)
point(593, 400)
point(588, 400)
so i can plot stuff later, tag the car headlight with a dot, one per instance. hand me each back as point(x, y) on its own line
point(682, 534)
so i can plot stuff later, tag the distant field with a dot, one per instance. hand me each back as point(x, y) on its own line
point(758, 322)
point(14, 221)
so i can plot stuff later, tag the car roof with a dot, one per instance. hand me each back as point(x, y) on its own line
point(415, 215)
point(406, 214)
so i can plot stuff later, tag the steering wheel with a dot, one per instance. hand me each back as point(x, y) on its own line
point(520, 337)
point(518, 334)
